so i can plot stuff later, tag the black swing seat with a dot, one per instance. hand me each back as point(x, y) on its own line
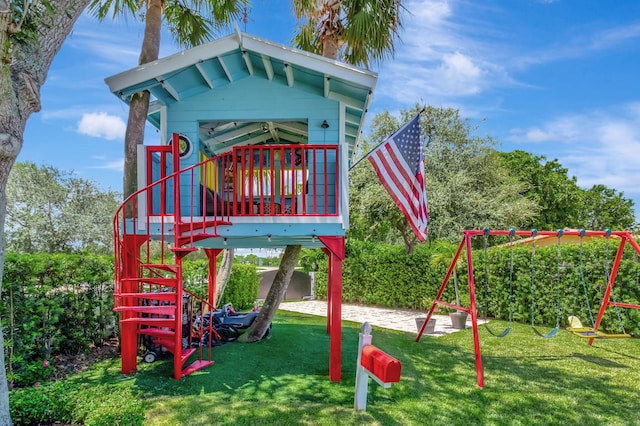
point(576, 327)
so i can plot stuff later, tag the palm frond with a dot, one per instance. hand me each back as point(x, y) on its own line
point(307, 38)
point(103, 9)
point(371, 30)
point(198, 21)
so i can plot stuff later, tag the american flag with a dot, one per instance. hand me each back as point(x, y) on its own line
point(399, 163)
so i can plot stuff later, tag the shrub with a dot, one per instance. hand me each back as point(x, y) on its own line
point(51, 304)
point(378, 274)
point(66, 402)
point(48, 402)
point(106, 405)
point(242, 288)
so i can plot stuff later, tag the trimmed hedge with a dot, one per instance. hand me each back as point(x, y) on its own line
point(55, 303)
point(51, 304)
point(66, 402)
point(241, 290)
point(384, 275)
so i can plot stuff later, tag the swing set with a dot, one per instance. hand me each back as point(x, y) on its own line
point(575, 325)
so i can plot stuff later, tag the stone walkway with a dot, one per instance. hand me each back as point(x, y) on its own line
point(395, 319)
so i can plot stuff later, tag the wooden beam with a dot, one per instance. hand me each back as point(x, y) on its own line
point(205, 75)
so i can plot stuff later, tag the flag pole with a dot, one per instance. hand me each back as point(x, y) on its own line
point(372, 149)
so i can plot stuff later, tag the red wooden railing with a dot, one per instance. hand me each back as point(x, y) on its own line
point(180, 207)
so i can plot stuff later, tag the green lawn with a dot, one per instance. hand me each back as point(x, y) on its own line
point(284, 381)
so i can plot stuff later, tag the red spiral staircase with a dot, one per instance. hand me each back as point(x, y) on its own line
point(152, 235)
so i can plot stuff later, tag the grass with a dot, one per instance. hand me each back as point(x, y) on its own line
point(284, 381)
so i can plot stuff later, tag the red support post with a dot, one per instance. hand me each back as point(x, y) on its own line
point(212, 254)
point(474, 313)
point(445, 281)
point(130, 269)
point(612, 279)
point(336, 247)
point(328, 253)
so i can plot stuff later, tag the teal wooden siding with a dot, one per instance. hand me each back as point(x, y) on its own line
point(257, 99)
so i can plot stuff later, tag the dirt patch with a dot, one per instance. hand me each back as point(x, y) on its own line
point(70, 364)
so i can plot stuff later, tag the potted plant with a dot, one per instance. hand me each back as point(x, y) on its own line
point(446, 253)
point(458, 318)
point(431, 326)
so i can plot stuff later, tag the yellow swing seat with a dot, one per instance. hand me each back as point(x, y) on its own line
point(576, 327)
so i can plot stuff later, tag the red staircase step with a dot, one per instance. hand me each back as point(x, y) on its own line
point(195, 366)
point(155, 322)
point(160, 266)
point(186, 354)
point(158, 332)
point(181, 252)
point(160, 296)
point(169, 282)
point(187, 239)
point(152, 310)
point(169, 344)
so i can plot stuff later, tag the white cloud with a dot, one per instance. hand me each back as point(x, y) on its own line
point(111, 47)
point(598, 147)
point(460, 72)
point(117, 165)
point(455, 51)
point(102, 125)
point(539, 135)
point(572, 128)
point(614, 36)
point(441, 58)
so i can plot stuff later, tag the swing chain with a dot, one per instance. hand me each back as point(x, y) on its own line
point(506, 331)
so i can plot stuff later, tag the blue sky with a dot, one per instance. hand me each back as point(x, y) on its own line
point(559, 78)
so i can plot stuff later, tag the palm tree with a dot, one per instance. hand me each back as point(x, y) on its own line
point(190, 23)
point(357, 32)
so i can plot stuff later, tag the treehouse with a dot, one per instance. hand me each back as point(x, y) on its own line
point(256, 140)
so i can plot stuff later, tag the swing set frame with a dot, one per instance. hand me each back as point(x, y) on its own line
point(624, 236)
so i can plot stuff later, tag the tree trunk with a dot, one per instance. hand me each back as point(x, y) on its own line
point(330, 46)
point(139, 105)
point(224, 272)
point(134, 136)
point(330, 37)
point(275, 295)
point(24, 71)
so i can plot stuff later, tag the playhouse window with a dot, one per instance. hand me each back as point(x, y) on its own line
point(259, 183)
point(298, 184)
point(280, 182)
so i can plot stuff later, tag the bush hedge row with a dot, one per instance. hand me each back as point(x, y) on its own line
point(52, 304)
point(63, 401)
point(547, 290)
point(63, 304)
point(241, 290)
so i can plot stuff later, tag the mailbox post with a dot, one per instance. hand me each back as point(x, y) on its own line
point(373, 362)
